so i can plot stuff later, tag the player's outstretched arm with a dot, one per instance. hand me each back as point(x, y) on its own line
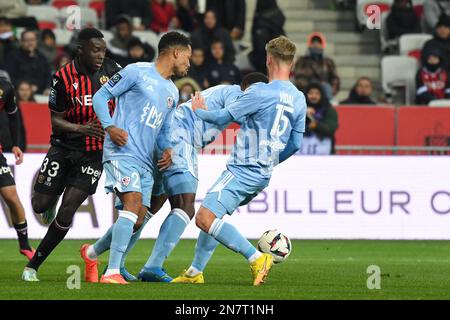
point(294, 144)
point(218, 117)
point(100, 103)
point(14, 129)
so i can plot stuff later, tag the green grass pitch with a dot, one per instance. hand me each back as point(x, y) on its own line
point(315, 270)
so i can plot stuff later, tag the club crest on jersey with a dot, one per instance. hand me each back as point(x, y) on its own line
point(126, 181)
point(169, 102)
point(115, 78)
point(103, 79)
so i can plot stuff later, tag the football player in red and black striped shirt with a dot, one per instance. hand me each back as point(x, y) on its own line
point(73, 164)
point(8, 189)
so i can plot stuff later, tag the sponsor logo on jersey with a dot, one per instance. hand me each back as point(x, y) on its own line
point(169, 102)
point(5, 170)
point(115, 78)
point(126, 181)
point(95, 174)
point(103, 79)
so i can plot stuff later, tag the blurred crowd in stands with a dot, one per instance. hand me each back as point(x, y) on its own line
point(216, 28)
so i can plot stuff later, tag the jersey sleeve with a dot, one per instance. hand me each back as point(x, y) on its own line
point(299, 124)
point(57, 98)
point(247, 104)
point(10, 99)
point(122, 81)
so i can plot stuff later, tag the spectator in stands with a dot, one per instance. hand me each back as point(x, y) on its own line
point(187, 16)
point(25, 92)
point(432, 80)
point(210, 30)
point(27, 63)
point(48, 46)
point(186, 87)
point(138, 10)
point(118, 45)
point(268, 23)
point(139, 52)
point(197, 71)
point(402, 19)
point(441, 40)
point(231, 15)
point(221, 71)
point(8, 41)
point(321, 122)
point(164, 16)
point(316, 67)
point(432, 11)
point(361, 92)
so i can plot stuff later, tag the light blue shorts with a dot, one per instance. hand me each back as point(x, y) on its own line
point(173, 183)
point(228, 193)
point(123, 176)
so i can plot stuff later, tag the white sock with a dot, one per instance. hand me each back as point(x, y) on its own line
point(110, 272)
point(91, 253)
point(192, 271)
point(254, 256)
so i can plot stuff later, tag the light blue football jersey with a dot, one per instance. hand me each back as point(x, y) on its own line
point(271, 112)
point(144, 98)
point(189, 133)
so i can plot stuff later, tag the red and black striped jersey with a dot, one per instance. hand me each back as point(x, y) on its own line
point(71, 92)
point(7, 100)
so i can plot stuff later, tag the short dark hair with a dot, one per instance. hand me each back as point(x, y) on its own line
point(27, 31)
point(252, 78)
point(89, 33)
point(172, 39)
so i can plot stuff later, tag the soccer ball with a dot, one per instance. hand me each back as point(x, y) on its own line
point(276, 244)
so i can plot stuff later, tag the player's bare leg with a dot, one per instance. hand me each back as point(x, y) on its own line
point(72, 200)
point(45, 206)
point(11, 198)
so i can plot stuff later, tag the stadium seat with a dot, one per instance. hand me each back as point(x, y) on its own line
point(399, 71)
point(418, 9)
point(62, 36)
point(88, 17)
point(41, 98)
point(42, 24)
point(98, 6)
point(59, 4)
point(412, 42)
point(440, 103)
point(147, 36)
point(43, 13)
point(362, 5)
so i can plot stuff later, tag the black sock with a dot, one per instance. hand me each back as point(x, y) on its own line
point(22, 234)
point(54, 236)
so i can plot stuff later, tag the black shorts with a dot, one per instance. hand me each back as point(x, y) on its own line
point(6, 176)
point(64, 168)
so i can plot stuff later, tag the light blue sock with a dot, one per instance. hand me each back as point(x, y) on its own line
point(230, 237)
point(121, 235)
point(102, 245)
point(169, 235)
point(134, 238)
point(204, 249)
